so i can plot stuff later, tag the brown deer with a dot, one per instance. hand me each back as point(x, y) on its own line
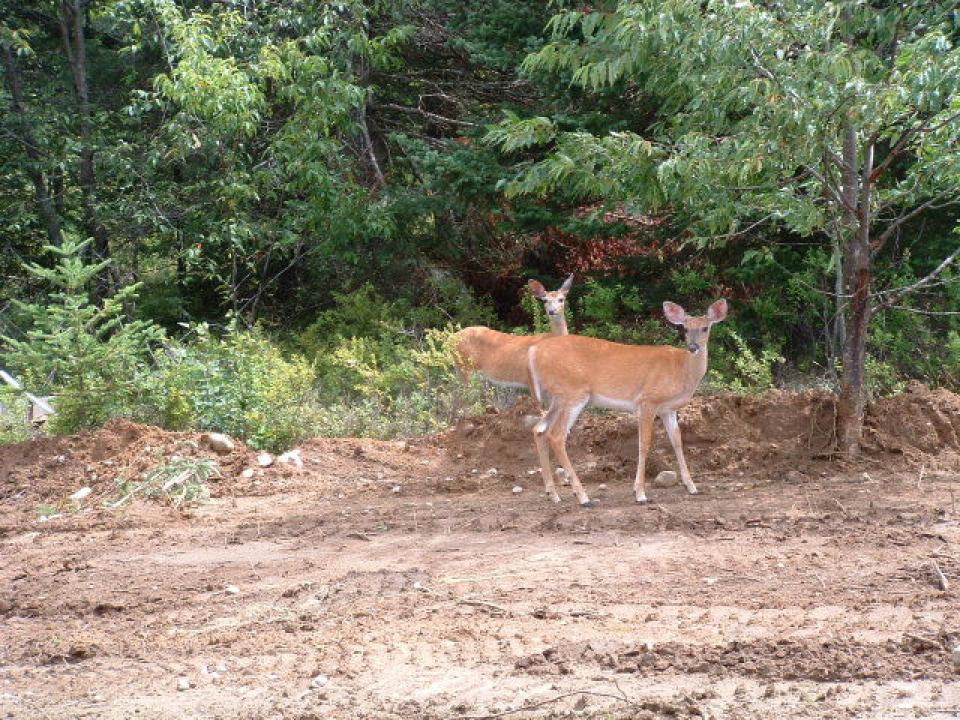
point(649, 380)
point(502, 358)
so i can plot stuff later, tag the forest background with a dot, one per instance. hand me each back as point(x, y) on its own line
point(267, 218)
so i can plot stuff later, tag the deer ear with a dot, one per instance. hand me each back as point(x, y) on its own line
point(537, 288)
point(674, 313)
point(717, 311)
point(567, 284)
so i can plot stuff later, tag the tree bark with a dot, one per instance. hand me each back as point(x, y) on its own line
point(72, 21)
point(45, 204)
point(858, 277)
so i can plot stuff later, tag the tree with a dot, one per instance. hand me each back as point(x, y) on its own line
point(835, 120)
point(10, 44)
point(86, 353)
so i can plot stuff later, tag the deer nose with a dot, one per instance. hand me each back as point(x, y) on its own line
point(693, 347)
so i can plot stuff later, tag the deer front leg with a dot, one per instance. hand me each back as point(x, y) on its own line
point(645, 420)
point(672, 426)
point(557, 437)
point(546, 469)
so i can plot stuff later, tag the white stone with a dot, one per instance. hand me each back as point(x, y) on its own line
point(665, 477)
point(517, 489)
point(81, 494)
point(395, 489)
point(248, 473)
point(183, 684)
point(232, 590)
point(265, 459)
point(292, 457)
point(319, 681)
point(218, 442)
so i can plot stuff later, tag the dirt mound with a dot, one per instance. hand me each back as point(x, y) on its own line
point(50, 469)
point(918, 422)
point(727, 438)
point(762, 436)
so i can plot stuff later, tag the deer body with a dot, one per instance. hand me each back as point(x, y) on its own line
point(651, 381)
point(502, 358)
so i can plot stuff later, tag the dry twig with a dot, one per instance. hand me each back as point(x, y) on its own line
point(941, 578)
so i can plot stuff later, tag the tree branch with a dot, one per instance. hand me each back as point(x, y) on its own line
point(424, 113)
point(931, 204)
point(894, 296)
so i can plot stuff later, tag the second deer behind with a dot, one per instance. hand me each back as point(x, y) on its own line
point(502, 358)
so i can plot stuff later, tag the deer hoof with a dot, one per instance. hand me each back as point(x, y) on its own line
point(554, 497)
point(693, 491)
point(588, 504)
point(642, 500)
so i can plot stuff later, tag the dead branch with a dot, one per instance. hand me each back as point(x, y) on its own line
point(425, 113)
point(483, 604)
point(549, 701)
point(942, 581)
point(894, 296)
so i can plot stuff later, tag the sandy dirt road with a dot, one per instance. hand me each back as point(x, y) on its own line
point(325, 593)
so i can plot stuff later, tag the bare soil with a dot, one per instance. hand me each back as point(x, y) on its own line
point(408, 579)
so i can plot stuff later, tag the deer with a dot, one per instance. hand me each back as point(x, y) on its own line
point(502, 358)
point(649, 380)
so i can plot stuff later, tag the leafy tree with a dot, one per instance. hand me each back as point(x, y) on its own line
point(89, 356)
point(835, 120)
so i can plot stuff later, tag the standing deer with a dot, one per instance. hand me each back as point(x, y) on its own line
point(650, 380)
point(502, 358)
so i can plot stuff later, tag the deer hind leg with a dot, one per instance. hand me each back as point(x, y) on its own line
point(557, 437)
point(645, 420)
point(672, 426)
point(543, 452)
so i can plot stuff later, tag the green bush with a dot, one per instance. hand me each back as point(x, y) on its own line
point(89, 356)
point(13, 416)
point(736, 367)
point(380, 373)
point(240, 384)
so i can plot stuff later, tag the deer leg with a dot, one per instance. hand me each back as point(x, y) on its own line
point(557, 436)
point(645, 420)
point(546, 468)
point(672, 426)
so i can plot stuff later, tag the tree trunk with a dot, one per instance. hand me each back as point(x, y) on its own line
point(45, 205)
point(858, 275)
point(72, 21)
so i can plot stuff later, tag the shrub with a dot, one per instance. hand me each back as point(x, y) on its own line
point(90, 357)
point(380, 373)
point(181, 481)
point(394, 385)
point(240, 384)
point(734, 366)
point(13, 416)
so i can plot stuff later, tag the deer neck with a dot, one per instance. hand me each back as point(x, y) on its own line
point(558, 325)
point(696, 368)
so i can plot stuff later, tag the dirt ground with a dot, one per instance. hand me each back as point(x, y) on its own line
point(409, 580)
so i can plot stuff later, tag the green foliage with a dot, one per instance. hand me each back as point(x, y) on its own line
point(88, 356)
point(736, 367)
point(240, 384)
point(882, 379)
point(13, 416)
point(395, 388)
point(179, 482)
point(323, 165)
point(379, 373)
